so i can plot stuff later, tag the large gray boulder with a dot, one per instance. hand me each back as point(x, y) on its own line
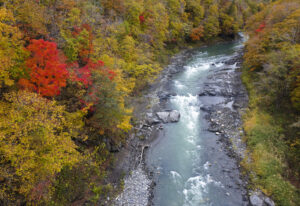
point(152, 119)
point(163, 116)
point(174, 116)
point(167, 117)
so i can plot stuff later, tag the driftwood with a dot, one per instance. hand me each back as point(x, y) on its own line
point(142, 153)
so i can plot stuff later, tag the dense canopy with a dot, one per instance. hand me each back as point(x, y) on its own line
point(69, 70)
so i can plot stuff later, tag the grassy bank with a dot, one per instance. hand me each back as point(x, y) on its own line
point(272, 163)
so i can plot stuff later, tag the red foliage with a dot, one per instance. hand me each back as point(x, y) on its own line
point(46, 73)
point(84, 74)
point(142, 19)
point(261, 27)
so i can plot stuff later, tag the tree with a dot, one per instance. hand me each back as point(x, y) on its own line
point(195, 10)
point(11, 49)
point(228, 25)
point(211, 25)
point(35, 141)
point(113, 7)
point(32, 17)
point(197, 33)
point(46, 73)
point(78, 43)
point(178, 20)
point(157, 24)
point(295, 95)
point(83, 74)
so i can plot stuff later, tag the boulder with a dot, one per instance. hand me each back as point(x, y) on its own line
point(174, 116)
point(269, 202)
point(207, 91)
point(168, 116)
point(258, 198)
point(255, 200)
point(163, 116)
point(152, 119)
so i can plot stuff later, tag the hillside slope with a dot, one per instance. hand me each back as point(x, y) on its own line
point(272, 73)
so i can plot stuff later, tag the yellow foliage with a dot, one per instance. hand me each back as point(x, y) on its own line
point(10, 47)
point(125, 124)
point(35, 138)
point(32, 15)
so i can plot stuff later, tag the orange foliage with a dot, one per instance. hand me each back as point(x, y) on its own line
point(197, 33)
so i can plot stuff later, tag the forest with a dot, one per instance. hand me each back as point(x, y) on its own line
point(271, 74)
point(70, 68)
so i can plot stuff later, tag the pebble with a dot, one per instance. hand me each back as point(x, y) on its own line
point(136, 189)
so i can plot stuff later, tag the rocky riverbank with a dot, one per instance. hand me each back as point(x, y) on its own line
point(225, 117)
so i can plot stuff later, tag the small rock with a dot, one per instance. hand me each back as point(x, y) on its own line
point(202, 93)
point(269, 202)
point(173, 70)
point(205, 108)
point(212, 93)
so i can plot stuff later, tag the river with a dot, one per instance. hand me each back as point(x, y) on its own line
point(191, 165)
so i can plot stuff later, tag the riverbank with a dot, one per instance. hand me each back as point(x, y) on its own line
point(271, 161)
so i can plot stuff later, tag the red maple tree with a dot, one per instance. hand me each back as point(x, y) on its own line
point(142, 18)
point(261, 27)
point(46, 73)
point(84, 74)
